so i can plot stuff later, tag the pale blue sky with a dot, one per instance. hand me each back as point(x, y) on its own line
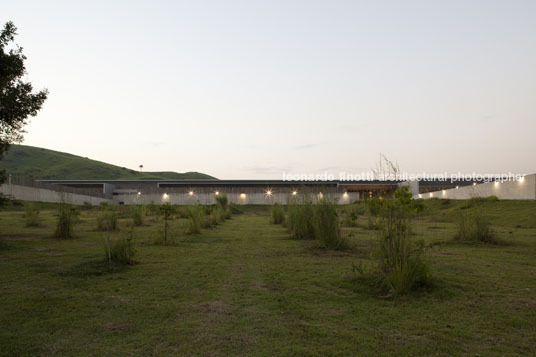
point(248, 89)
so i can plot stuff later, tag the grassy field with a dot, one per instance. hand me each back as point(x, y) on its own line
point(247, 288)
point(40, 163)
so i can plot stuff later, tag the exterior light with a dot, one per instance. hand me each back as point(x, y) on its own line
point(345, 194)
point(217, 193)
point(268, 192)
point(457, 187)
point(294, 193)
point(431, 194)
point(139, 193)
point(444, 192)
point(420, 196)
point(191, 193)
point(522, 178)
point(474, 183)
point(242, 195)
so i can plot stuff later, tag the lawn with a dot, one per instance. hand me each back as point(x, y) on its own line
point(248, 288)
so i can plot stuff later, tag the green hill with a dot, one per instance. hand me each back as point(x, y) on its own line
point(39, 163)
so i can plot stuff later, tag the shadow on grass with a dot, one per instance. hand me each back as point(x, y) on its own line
point(4, 245)
point(93, 268)
point(369, 285)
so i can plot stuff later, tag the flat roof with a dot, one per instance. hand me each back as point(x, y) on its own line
point(256, 182)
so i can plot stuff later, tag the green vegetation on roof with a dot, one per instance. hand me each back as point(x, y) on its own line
point(40, 163)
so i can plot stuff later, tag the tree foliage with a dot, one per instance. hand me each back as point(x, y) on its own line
point(17, 99)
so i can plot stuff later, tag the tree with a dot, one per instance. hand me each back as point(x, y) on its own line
point(17, 99)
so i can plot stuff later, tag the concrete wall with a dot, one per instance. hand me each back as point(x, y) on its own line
point(413, 186)
point(508, 190)
point(256, 198)
point(27, 193)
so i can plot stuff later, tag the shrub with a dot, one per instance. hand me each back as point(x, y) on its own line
point(373, 210)
point(196, 220)
point(401, 265)
point(221, 200)
point(107, 220)
point(67, 218)
point(31, 215)
point(227, 214)
point(277, 214)
point(4, 200)
point(473, 226)
point(183, 212)
point(121, 250)
point(138, 215)
point(152, 209)
point(219, 213)
point(327, 228)
point(167, 211)
point(351, 215)
point(209, 221)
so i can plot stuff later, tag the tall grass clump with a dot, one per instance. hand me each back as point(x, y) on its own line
point(223, 204)
point(326, 224)
point(138, 214)
point(221, 200)
point(196, 221)
point(401, 265)
point(107, 219)
point(67, 218)
point(300, 222)
point(475, 227)
point(219, 214)
point(277, 214)
point(31, 215)
point(120, 250)
point(210, 218)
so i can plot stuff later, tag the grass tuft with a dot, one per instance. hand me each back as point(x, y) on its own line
point(31, 215)
point(197, 219)
point(138, 214)
point(67, 218)
point(277, 214)
point(474, 226)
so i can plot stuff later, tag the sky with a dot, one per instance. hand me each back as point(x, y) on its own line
point(254, 89)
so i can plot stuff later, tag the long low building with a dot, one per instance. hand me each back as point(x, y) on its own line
point(522, 189)
point(187, 192)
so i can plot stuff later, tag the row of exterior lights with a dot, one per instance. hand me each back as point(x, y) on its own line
point(345, 194)
point(268, 193)
point(497, 183)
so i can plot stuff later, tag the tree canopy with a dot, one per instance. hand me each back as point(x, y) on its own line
point(18, 102)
